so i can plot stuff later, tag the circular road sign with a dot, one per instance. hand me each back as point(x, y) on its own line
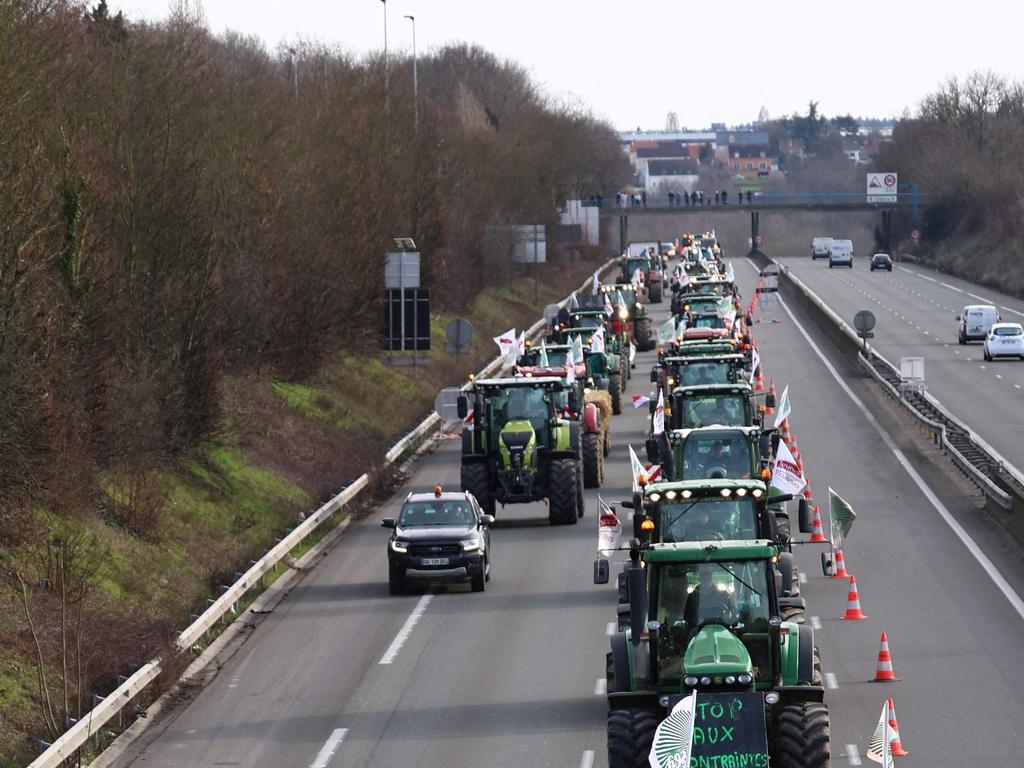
point(863, 321)
point(889, 180)
point(458, 331)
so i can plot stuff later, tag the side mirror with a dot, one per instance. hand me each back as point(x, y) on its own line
point(462, 405)
point(769, 400)
point(651, 445)
point(387, 522)
point(806, 516)
point(764, 445)
point(776, 439)
point(574, 400)
point(786, 569)
point(600, 571)
point(958, 318)
point(486, 520)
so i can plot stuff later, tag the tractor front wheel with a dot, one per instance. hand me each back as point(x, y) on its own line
point(615, 390)
point(593, 460)
point(644, 337)
point(476, 478)
point(630, 736)
point(562, 492)
point(804, 739)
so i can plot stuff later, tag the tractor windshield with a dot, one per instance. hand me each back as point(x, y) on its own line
point(732, 593)
point(706, 288)
point(722, 456)
point(597, 365)
point(533, 357)
point(636, 265)
point(695, 410)
point(518, 404)
point(588, 321)
point(708, 518)
point(706, 321)
point(710, 372)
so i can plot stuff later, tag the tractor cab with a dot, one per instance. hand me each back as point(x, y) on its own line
point(706, 405)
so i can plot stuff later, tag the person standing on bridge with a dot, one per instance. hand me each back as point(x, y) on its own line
point(749, 195)
point(700, 194)
point(643, 198)
point(725, 197)
point(671, 199)
point(686, 199)
point(716, 197)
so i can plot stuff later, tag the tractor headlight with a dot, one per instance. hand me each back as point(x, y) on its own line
point(690, 681)
point(655, 497)
point(771, 697)
point(730, 679)
point(741, 491)
point(664, 700)
point(756, 493)
point(705, 680)
point(687, 494)
point(470, 545)
point(623, 314)
point(670, 495)
point(399, 546)
point(744, 678)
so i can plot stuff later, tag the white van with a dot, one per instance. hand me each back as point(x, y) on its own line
point(841, 253)
point(820, 247)
point(976, 320)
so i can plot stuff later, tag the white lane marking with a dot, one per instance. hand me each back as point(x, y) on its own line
point(329, 748)
point(951, 287)
point(830, 681)
point(983, 368)
point(972, 546)
point(1016, 386)
point(403, 633)
point(610, 629)
point(904, 269)
point(601, 686)
point(980, 298)
point(853, 754)
point(929, 279)
point(802, 577)
point(999, 376)
point(587, 761)
point(815, 622)
point(1011, 309)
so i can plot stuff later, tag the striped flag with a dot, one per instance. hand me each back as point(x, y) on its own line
point(609, 528)
point(673, 738)
point(879, 749)
point(639, 400)
point(842, 517)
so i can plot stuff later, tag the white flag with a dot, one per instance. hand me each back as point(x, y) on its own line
point(619, 301)
point(659, 414)
point(570, 367)
point(880, 746)
point(543, 355)
point(609, 528)
point(786, 476)
point(596, 287)
point(636, 468)
point(755, 361)
point(608, 310)
point(729, 274)
point(521, 343)
point(577, 346)
point(667, 331)
point(505, 340)
point(597, 341)
point(673, 738)
point(511, 358)
point(784, 408)
point(632, 351)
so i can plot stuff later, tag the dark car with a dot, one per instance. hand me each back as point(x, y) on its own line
point(881, 261)
point(439, 537)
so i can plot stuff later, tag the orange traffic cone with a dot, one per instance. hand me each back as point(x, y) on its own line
point(817, 534)
point(807, 490)
point(787, 438)
point(771, 391)
point(759, 380)
point(884, 670)
point(840, 566)
point(853, 610)
point(894, 733)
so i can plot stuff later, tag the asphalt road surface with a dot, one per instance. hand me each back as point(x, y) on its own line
point(916, 310)
point(514, 676)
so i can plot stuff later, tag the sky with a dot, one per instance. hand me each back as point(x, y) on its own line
point(634, 62)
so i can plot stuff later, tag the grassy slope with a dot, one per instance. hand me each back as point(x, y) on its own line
point(285, 446)
point(988, 261)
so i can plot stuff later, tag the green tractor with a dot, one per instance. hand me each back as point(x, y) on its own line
point(520, 448)
point(630, 318)
point(703, 405)
point(702, 365)
point(705, 617)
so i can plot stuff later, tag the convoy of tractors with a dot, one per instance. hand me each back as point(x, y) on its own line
point(708, 594)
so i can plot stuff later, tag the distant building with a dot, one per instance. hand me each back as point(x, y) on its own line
point(664, 176)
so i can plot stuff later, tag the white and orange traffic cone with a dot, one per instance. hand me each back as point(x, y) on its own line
point(840, 566)
point(807, 490)
point(771, 391)
point(853, 611)
point(883, 671)
point(759, 380)
point(817, 534)
point(894, 733)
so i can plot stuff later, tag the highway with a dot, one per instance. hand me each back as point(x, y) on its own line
point(916, 309)
point(514, 676)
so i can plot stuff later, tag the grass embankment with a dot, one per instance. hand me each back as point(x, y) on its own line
point(983, 259)
point(283, 448)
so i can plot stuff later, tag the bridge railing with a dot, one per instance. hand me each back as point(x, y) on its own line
point(757, 200)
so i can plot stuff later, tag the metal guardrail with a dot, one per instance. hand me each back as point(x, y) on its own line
point(809, 199)
point(68, 743)
point(978, 460)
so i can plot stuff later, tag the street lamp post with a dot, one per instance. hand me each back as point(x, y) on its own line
point(415, 80)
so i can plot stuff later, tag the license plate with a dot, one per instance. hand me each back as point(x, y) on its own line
point(434, 561)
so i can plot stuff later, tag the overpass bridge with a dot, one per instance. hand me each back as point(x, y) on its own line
point(759, 203)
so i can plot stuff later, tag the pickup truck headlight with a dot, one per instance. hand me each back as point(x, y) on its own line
point(399, 546)
point(470, 545)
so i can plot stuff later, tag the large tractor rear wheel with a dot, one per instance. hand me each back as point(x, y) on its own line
point(615, 390)
point(630, 736)
point(562, 492)
point(476, 478)
point(804, 739)
point(642, 330)
point(655, 292)
point(593, 460)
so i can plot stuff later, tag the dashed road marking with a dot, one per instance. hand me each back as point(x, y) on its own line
point(587, 761)
point(330, 746)
point(610, 629)
point(802, 577)
point(815, 622)
point(853, 754)
point(601, 686)
point(951, 287)
point(830, 681)
point(980, 298)
point(1011, 309)
point(406, 630)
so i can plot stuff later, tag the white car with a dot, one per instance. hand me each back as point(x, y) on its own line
point(1004, 340)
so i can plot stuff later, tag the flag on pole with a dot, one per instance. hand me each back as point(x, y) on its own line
point(729, 274)
point(842, 517)
point(659, 414)
point(783, 409)
point(639, 400)
point(609, 528)
point(511, 357)
point(786, 476)
point(619, 300)
point(632, 351)
point(608, 310)
point(673, 738)
point(577, 347)
point(570, 367)
point(544, 354)
point(755, 361)
point(667, 331)
point(597, 341)
point(636, 468)
point(573, 302)
point(521, 344)
point(596, 287)
point(505, 340)
point(879, 748)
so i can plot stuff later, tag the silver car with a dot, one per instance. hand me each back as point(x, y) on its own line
point(1004, 340)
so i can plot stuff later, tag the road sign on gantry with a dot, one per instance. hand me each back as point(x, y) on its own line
point(881, 187)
